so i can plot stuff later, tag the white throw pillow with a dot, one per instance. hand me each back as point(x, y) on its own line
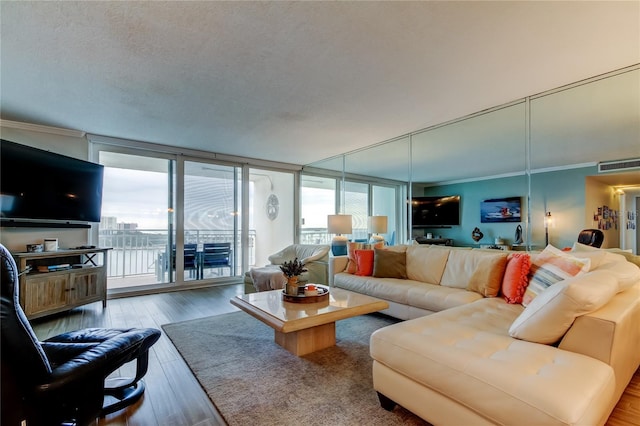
point(548, 317)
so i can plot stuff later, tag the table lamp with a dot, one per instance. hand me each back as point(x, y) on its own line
point(377, 225)
point(339, 224)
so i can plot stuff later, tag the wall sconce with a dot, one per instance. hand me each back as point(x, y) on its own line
point(548, 221)
point(339, 224)
point(377, 225)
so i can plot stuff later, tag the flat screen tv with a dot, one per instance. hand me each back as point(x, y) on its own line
point(38, 185)
point(501, 210)
point(435, 211)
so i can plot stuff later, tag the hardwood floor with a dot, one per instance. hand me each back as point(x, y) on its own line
point(173, 396)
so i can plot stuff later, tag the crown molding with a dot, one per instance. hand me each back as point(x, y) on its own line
point(42, 129)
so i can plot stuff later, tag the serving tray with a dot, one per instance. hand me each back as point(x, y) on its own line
point(323, 294)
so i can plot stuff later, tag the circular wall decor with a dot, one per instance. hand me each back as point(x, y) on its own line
point(273, 207)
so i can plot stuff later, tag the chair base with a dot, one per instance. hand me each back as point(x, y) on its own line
point(119, 393)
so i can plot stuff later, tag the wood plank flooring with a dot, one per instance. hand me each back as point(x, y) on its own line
point(173, 396)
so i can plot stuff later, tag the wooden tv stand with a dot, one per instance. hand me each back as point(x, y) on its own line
point(46, 293)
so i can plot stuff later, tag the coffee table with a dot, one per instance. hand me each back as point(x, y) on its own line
point(302, 328)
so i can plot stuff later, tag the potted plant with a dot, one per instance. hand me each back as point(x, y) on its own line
point(292, 270)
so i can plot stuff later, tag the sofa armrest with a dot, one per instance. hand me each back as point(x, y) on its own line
point(282, 256)
point(317, 271)
point(337, 264)
point(320, 255)
point(611, 334)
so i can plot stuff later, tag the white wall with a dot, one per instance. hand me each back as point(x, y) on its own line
point(598, 194)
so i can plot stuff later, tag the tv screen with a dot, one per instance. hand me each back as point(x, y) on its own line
point(41, 185)
point(501, 210)
point(435, 211)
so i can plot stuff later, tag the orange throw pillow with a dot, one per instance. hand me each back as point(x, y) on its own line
point(364, 262)
point(352, 265)
point(516, 277)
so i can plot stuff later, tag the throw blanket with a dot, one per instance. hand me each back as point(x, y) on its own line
point(268, 278)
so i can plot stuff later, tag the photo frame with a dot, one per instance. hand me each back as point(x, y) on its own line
point(501, 210)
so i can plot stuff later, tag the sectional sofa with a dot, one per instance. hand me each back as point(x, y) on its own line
point(470, 352)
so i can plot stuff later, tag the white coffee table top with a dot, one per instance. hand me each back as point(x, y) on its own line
point(286, 317)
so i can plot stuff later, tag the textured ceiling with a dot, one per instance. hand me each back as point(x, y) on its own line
point(295, 82)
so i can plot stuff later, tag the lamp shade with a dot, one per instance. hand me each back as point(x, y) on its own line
point(378, 224)
point(339, 224)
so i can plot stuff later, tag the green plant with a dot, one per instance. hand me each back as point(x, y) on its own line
point(292, 268)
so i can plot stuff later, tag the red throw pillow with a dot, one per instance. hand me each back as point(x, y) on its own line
point(516, 277)
point(364, 262)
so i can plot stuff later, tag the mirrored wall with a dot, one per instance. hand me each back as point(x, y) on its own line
point(514, 164)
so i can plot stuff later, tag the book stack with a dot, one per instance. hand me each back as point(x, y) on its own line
point(51, 268)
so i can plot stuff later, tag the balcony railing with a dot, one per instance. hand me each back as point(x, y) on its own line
point(137, 252)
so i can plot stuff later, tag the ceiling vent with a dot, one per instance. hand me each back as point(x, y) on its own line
point(618, 166)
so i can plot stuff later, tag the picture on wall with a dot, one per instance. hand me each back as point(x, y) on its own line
point(501, 210)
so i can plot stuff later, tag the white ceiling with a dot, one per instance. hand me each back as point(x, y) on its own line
point(294, 82)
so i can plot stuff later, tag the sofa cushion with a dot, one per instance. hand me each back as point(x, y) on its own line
point(479, 271)
point(551, 266)
point(466, 354)
point(364, 262)
point(487, 278)
point(389, 264)
point(548, 317)
point(516, 277)
point(633, 258)
point(352, 265)
point(391, 289)
point(436, 298)
point(426, 263)
point(617, 262)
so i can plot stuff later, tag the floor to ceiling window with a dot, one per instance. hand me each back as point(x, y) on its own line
point(318, 200)
point(271, 214)
point(211, 220)
point(175, 219)
point(137, 218)
point(324, 195)
point(356, 203)
point(383, 203)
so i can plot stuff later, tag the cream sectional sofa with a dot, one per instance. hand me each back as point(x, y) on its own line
point(463, 357)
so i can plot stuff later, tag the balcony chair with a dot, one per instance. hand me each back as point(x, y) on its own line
point(591, 237)
point(190, 259)
point(314, 256)
point(216, 256)
point(63, 379)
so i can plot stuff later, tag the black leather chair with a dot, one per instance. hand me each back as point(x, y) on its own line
point(591, 237)
point(63, 380)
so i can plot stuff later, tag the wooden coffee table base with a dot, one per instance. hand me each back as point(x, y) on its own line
point(307, 340)
point(302, 328)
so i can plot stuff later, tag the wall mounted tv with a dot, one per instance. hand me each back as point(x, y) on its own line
point(501, 210)
point(429, 212)
point(42, 188)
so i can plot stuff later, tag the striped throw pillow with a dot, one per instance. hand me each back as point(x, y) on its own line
point(551, 266)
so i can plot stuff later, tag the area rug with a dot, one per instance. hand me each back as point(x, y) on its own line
point(253, 381)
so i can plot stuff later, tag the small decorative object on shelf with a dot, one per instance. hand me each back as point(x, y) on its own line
point(518, 236)
point(292, 270)
point(476, 235)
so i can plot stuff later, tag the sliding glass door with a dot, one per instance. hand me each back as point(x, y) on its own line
point(271, 214)
point(137, 218)
point(211, 220)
